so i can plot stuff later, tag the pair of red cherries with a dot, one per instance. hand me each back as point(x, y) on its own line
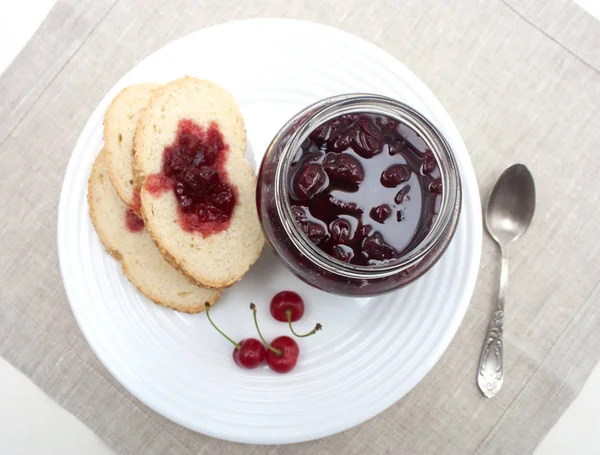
point(283, 352)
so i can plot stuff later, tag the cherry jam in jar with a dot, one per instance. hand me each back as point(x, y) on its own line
point(359, 195)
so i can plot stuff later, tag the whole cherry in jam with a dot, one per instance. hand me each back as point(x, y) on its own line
point(314, 231)
point(340, 230)
point(288, 306)
point(310, 181)
point(365, 188)
point(282, 353)
point(248, 353)
point(381, 213)
point(395, 175)
point(194, 168)
point(343, 168)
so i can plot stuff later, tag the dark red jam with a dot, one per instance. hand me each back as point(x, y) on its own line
point(133, 222)
point(194, 168)
point(365, 188)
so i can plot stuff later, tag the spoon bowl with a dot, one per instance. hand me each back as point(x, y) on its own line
point(511, 205)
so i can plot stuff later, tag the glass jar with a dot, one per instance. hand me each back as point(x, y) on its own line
point(303, 257)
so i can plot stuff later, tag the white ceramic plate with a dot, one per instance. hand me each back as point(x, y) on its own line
point(371, 351)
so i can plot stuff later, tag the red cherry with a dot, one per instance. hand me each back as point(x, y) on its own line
point(282, 355)
point(429, 163)
point(250, 353)
point(343, 252)
point(374, 247)
point(380, 213)
point(395, 175)
point(311, 180)
point(341, 230)
point(287, 306)
point(343, 167)
point(285, 301)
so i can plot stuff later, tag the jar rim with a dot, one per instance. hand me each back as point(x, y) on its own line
point(307, 120)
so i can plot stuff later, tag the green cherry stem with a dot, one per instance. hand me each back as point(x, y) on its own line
point(207, 307)
point(272, 349)
point(318, 327)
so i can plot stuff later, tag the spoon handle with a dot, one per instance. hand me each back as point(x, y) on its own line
point(491, 365)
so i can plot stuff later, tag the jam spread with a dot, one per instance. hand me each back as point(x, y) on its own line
point(365, 188)
point(133, 222)
point(136, 203)
point(194, 169)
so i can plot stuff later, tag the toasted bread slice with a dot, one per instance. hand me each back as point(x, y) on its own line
point(221, 259)
point(142, 263)
point(120, 121)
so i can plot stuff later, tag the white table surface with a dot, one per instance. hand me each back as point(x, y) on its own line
point(32, 423)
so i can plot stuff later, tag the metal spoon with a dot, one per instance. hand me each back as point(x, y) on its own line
point(509, 213)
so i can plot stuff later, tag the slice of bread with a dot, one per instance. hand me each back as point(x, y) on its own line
point(142, 263)
point(221, 259)
point(120, 121)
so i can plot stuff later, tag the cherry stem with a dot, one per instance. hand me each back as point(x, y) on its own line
point(271, 348)
point(207, 307)
point(318, 327)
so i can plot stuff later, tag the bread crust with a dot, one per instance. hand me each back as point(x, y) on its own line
point(120, 118)
point(95, 192)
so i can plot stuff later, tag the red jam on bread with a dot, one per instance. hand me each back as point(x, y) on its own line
point(194, 169)
point(133, 222)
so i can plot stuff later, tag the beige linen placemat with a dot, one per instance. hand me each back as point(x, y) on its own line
point(520, 79)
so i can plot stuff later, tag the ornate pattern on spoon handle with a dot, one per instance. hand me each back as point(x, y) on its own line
point(491, 369)
point(491, 366)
